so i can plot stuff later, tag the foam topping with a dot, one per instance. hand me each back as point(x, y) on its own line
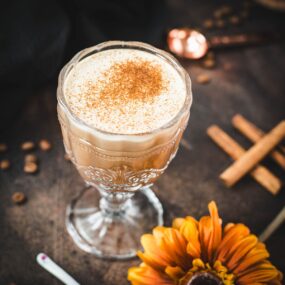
point(124, 91)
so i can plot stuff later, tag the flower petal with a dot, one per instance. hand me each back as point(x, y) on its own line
point(263, 273)
point(239, 251)
point(232, 235)
point(191, 219)
point(190, 231)
point(263, 265)
point(176, 224)
point(255, 256)
point(153, 255)
point(193, 250)
point(158, 233)
point(204, 234)
point(175, 246)
point(216, 235)
point(228, 227)
point(173, 255)
point(175, 273)
point(145, 275)
point(210, 231)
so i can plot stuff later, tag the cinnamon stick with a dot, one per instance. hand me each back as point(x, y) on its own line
point(254, 134)
point(261, 174)
point(255, 154)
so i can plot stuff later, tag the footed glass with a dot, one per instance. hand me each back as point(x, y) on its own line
point(117, 205)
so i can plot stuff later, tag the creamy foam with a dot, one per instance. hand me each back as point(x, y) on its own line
point(87, 85)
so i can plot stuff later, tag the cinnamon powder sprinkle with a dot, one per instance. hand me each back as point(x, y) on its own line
point(127, 81)
point(125, 91)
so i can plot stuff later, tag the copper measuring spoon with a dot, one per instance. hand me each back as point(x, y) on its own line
point(190, 43)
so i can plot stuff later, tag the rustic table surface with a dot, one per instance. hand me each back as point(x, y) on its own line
point(248, 81)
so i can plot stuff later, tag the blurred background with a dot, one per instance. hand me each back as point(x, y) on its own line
point(38, 37)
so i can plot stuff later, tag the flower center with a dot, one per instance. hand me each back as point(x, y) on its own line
point(203, 273)
point(204, 278)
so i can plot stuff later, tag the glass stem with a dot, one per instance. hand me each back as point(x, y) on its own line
point(113, 204)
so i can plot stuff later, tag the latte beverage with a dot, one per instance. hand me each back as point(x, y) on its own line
point(121, 118)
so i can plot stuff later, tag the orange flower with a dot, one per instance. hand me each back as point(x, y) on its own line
point(195, 252)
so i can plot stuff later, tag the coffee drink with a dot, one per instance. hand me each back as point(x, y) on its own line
point(126, 103)
point(123, 107)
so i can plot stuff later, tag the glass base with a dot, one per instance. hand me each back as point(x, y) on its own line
point(114, 236)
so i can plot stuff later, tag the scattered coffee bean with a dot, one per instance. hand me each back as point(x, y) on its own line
point(30, 167)
point(3, 147)
point(235, 20)
point(66, 157)
point(26, 146)
point(18, 198)
point(208, 24)
point(5, 164)
point(209, 63)
point(220, 23)
point(203, 79)
point(30, 158)
point(44, 145)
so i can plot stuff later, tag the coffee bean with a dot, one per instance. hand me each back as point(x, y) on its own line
point(3, 147)
point(18, 198)
point(66, 157)
point(5, 164)
point(45, 145)
point(208, 24)
point(209, 63)
point(28, 145)
point(30, 158)
point(30, 167)
point(203, 79)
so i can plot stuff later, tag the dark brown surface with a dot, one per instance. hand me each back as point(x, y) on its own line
point(248, 81)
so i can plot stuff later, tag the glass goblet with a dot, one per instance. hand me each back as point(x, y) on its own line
point(117, 205)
